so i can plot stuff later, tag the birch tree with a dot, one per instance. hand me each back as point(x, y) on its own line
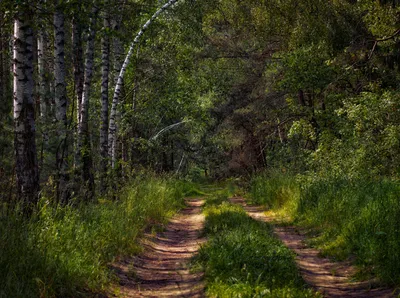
point(118, 53)
point(105, 65)
point(24, 122)
point(43, 74)
point(112, 129)
point(61, 102)
point(84, 147)
point(77, 57)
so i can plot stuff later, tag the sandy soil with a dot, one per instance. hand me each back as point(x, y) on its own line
point(162, 269)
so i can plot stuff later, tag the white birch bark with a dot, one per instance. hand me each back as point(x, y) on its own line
point(60, 95)
point(118, 60)
point(89, 64)
point(78, 64)
point(105, 65)
point(112, 129)
point(44, 84)
point(77, 57)
point(24, 121)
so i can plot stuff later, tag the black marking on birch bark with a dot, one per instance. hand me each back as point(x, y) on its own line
point(24, 121)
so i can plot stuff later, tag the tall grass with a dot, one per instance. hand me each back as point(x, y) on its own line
point(66, 251)
point(358, 217)
point(277, 191)
point(242, 258)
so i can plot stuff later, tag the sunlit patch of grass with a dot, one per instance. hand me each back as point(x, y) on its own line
point(215, 200)
point(278, 192)
point(352, 217)
point(242, 258)
point(216, 194)
point(65, 251)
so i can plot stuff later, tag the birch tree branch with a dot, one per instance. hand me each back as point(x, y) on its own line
point(112, 130)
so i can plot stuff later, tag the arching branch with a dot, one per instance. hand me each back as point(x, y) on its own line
point(118, 88)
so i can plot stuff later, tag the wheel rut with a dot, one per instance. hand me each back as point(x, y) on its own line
point(162, 269)
point(332, 279)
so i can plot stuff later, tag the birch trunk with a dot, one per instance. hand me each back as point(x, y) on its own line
point(84, 147)
point(44, 90)
point(78, 64)
point(105, 65)
point(112, 129)
point(44, 84)
point(77, 57)
point(118, 56)
point(24, 121)
point(60, 95)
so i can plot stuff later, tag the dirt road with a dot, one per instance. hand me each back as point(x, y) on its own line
point(162, 269)
point(330, 278)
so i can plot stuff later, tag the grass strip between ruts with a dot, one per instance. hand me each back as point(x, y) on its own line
point(243, 258)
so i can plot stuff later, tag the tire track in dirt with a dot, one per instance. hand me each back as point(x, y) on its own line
point(162, 269)
point(332, 279)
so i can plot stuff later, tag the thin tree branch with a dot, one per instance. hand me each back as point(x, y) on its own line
point(397, 32)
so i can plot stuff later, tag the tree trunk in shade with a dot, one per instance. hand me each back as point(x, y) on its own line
point(43, 75)
point(24, 119)
point(60, 95)
point(105, 65)
point(84, 146)
point(77, 58)
point(118, 60)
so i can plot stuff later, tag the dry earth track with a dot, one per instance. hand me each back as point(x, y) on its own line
point(162, 269)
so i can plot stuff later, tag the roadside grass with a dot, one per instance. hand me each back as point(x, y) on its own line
point(65, 251)
point(242, 258)
point(279, 192)
point(353, 217)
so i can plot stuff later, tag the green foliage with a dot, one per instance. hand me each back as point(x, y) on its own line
point(368, 140)
point(66, 251)
point(353, 216)
point(307, 68)
point(242, 258)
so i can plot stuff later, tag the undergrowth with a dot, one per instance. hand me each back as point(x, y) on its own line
point(65, 251)
point(353, 217)
point(242, 258)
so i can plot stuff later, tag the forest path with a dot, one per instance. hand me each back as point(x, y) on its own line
point(162, 269)
point(332, 279)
